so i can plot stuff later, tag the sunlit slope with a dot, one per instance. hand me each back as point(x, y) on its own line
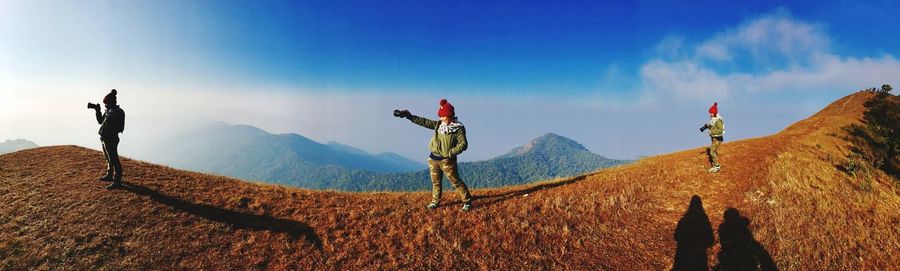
point(803, 211)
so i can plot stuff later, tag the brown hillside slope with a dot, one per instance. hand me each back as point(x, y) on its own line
point(803, 211)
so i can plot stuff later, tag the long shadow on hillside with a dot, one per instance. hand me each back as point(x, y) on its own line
point(693, 236)
point(494, 199)
point(740, 251)
point(238, 220)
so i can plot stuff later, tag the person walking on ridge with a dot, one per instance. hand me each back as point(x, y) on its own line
point(448, 142)
point(716, 128)
point(112, 122)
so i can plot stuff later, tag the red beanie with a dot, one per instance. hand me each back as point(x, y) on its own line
point(110, 98)
point(446, 109)
point(714, 109)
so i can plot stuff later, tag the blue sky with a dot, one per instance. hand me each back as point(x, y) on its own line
point(506, 46)
point(624, 78)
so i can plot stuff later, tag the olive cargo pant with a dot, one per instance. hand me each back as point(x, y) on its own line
point(111, 152)
point(438, 168)
point(714, 151)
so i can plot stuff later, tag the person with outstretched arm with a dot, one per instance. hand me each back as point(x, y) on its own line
point(448, 142)
point(716, 128)
point(112, 122)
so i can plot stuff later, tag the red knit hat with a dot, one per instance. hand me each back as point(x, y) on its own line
point(714, 109)
point(110, 98)
point(446, 109)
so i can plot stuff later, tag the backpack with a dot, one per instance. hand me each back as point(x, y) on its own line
point(119, 125)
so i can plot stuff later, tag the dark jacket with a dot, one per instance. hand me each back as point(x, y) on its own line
point(112, 122)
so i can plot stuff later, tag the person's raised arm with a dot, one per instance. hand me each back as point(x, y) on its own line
point(427, 123)
point(99, 115)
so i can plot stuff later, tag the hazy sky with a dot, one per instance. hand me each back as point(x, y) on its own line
point(623, 78)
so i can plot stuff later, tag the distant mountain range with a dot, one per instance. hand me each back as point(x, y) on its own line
point(9, 146)
point(248, 152)
point(546, 157)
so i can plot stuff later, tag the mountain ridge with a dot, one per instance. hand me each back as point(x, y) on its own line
point(247, 152)
point(16, 145)
point(545, 141)
point(220, 147)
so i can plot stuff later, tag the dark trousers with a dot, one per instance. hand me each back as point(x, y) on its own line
point(111, 152)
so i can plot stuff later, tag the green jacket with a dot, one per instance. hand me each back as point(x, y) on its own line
point(445, 145)
point(716, 127)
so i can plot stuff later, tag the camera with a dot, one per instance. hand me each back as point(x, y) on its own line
point(401, 113)
point(705, 126)
point(93, 106)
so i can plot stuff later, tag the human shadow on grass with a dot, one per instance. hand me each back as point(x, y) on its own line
point(238, 220)
point(487, 200)
point(693, 236)
point(740, 251)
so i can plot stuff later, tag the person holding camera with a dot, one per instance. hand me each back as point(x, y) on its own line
point(112, 122)
point(448, 142)
point(716, 132)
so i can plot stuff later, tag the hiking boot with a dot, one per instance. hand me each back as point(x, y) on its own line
point(106, 178)
point(466, 207)
point(431, 206)
point(115, 185)
point(715, 169)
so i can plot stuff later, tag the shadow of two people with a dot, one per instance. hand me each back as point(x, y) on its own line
point(739, 250)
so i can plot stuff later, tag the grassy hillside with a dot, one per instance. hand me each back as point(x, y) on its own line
point(788, 201)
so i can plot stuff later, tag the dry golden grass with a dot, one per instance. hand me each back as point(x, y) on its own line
point(803, 210)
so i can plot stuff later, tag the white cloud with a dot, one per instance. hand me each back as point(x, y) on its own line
point(671, 47)
point(830, 72)
point(777, 35)
point(774, 54)
point(714, 51)
point(684, 80)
